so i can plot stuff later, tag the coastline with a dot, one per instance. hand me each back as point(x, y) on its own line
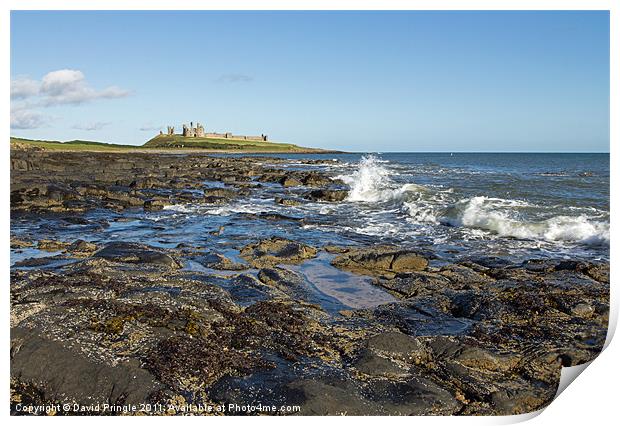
point(196, 326)
point(87, 146)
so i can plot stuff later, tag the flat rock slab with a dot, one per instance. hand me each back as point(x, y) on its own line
point(380, 261)
point(220, 262)
point(276, 250)
point(69, 376)
point(416, 396)
point(136, 253)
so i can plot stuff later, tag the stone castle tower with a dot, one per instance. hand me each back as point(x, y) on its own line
point(193, 132)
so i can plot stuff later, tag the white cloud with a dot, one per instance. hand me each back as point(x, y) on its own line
point(22, 88)
point(62, 87)
point(70, 87)
point(28, 119)
point(55, 83)
point(92, 126)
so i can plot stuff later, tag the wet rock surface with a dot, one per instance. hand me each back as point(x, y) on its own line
point(380, 261)
point(331, 195)
point(127, 322)
point(221, 262)
point(277, 250)
point(86, 181)
point(451, 346)
point(123, 252)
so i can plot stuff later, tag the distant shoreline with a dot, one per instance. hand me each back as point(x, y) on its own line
point(78, 145)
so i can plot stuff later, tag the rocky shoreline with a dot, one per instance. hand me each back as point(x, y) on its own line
point(124, 322)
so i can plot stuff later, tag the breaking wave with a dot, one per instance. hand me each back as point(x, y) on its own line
point(496, 215)
point(371, 182)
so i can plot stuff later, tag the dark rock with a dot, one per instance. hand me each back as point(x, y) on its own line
point(17, 243)
point(411, 284)
point(335, 249)
point(491, 262)
point(420, 319)
point(598, 272)
point(246, 290)
point(37, 261)
point(330, 195)
point(212, 199)
point(82, 248)
point(398, 346)
point(277, 216)
point(288, 181)
point(144, 183)
point(468, 354)
point(317, 179)
point(583, 310)
point(51, 245)
point(124, 252)
point(204, 360)
point(465, 276)
point(155, 204)
point(220, 193)
point(286, 201)
point(377, 261)
point(219, 261)
point(65, 375)
point(276, 250)
point(280, 278)
point(373, 365)
point(76, 220)
point(322, 398)
point(417, 396)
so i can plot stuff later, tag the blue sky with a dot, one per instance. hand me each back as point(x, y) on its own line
point(360, 81)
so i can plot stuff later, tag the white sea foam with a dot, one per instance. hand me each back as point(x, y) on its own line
point(496, 215)
point(421, 212)
point(251, 206)
point(372, 182)
point(427, 206)
point(230, 209)
point(182, 208)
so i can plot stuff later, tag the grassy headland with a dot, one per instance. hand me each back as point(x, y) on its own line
point(221, 144)
point(169, 143)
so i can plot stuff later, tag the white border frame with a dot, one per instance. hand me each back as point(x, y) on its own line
point(593, 398)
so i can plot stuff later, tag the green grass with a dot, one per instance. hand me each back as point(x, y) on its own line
point(76, 145)
point(178, 141)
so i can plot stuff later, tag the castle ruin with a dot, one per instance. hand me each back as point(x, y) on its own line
point(193, 132)
point(189, 131)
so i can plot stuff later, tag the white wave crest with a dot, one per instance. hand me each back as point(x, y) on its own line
point(490, 214)
point(420, 212)
point(252, 206)
point(371, 182)
point(182, 208)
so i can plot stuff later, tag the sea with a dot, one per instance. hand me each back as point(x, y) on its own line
point(451, 206)
point(512, 205)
